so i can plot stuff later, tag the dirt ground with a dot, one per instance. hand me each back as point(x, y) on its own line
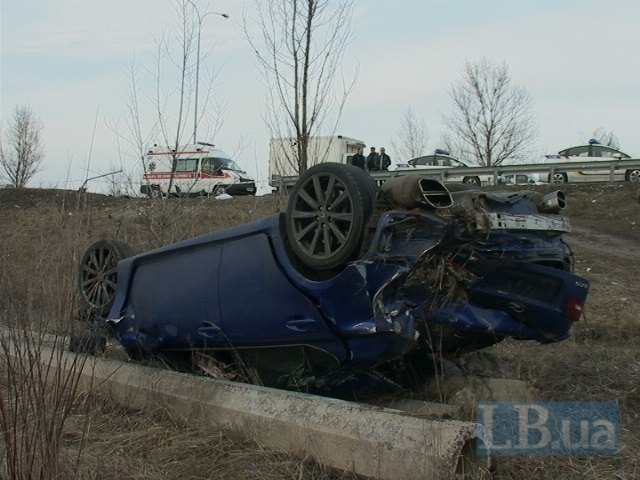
point(44, 232)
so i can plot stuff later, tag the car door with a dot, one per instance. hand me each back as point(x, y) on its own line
point(260, 307)
point(173, 297)
point(605, 154)
point(575, 155)
point(591, 153)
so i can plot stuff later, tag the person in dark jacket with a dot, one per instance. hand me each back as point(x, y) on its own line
point(385, 160)
point(358, 159)
point(373, 160)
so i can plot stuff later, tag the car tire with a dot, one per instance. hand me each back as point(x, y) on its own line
point(98, 274)
point(472, 181)
point(632, 176)
point(155, 192)
point(328, 209)
point(558, 177)
point(218, 190)
point(367, 184)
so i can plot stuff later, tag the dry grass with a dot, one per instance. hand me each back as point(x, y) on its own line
point(45, 232)
point(128, 444)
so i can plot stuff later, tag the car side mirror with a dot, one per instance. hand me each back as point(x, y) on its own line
point(617, 156)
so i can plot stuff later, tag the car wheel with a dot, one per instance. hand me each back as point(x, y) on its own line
point(558, 177)
point(218, 190)
point(327, 211)
point(632, 176)
point(98, 274)
point(155, 192)
point(472, 181)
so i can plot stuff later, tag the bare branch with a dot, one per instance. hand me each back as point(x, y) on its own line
point(606, 137)
point(411, 139)
point(492, 119)
point(300, 49)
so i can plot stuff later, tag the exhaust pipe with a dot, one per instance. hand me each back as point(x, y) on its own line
point(553, 202)
point(416, 191)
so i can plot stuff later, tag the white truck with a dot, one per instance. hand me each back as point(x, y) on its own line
point(283, 168)
point(200, 170)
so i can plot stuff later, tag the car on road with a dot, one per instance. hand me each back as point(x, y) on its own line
point(351, 281)
point(442, 159)
point(593, 151)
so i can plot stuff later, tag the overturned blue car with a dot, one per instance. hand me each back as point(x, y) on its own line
point(351, 279)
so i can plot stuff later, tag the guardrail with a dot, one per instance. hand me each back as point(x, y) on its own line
point(495, 171)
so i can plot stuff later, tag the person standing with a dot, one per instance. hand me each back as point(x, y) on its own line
point(358, 159)
point(373, 160)
point(385, 160)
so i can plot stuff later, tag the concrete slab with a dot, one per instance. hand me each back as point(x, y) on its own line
point(424, 409)
point(370, 441)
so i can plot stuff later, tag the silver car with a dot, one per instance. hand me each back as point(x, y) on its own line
point(442, 159)
point(593, 151)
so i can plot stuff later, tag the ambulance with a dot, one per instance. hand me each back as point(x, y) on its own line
point(200, 170)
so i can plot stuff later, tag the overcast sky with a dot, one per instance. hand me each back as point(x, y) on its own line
point(70, 61)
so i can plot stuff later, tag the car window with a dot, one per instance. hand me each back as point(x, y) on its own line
point(582, 151)
point(421, 161)
point(214, 164)
point(187, 165)
point(443, 161)
point(608, 152)
point(207, 166)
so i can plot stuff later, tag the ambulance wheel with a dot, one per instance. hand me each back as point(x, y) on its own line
point(218, 190)
point(155, 192)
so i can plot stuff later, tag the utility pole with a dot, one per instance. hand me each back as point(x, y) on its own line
point(200, 20)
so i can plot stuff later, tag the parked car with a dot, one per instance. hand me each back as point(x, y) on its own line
point(593, 151)
point(351, 281)
point(441, 158)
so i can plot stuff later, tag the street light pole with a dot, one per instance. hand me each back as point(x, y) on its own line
point(200, 20)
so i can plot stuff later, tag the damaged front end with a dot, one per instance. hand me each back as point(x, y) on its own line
point(493, 265)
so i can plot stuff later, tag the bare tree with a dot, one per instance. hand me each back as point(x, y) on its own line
point(21, 152)
point(492, 119)
point(606, 137)
point(166, 93)
point(411, 139)
point(174, 93)
point(300, 50)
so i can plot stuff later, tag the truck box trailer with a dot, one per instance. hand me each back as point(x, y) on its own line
point(283, 156)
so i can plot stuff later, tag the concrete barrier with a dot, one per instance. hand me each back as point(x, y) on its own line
point(370, 441)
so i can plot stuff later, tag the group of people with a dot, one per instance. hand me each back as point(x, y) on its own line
point(375, 162)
